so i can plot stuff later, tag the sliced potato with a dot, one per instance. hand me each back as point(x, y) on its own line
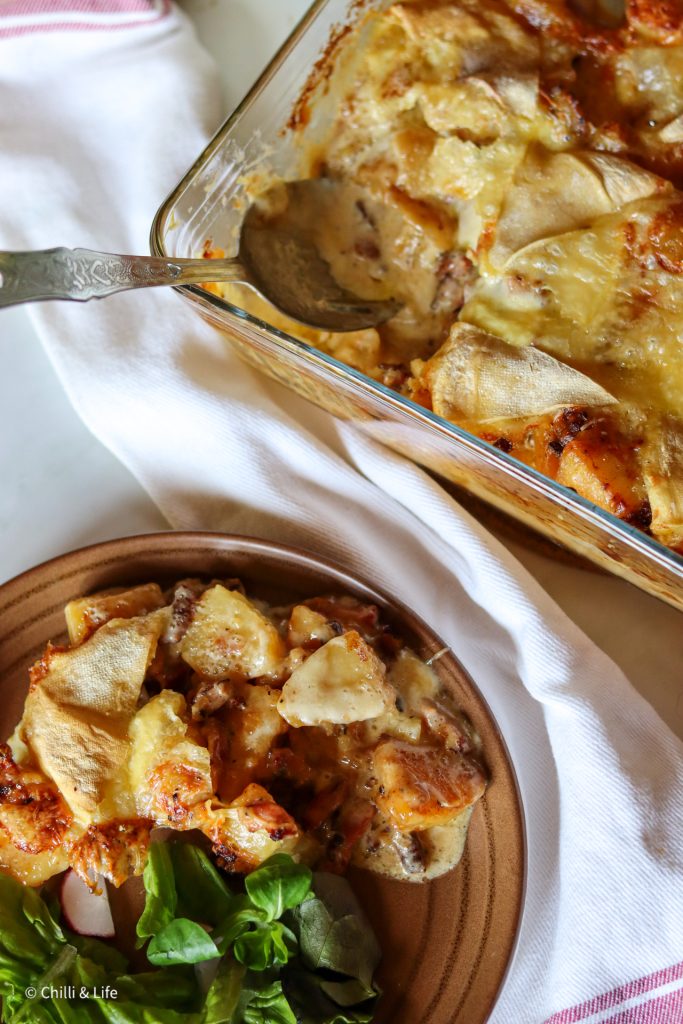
point(229, 638)
point(86, 614)
point(171, 777)
point(554, 193)
point(663, 469)
point(413, 681)
point(393, 722)
point(413, 678)
point(307, 627)
point(343, 681)
point(169, 772)
point(78, 711)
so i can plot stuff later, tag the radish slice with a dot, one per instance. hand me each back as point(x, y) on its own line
point(86, 912)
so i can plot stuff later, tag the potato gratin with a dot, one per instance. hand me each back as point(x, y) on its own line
point(513, 172)
point(312, 730)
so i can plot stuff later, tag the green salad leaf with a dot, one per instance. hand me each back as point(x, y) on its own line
point(243, 915)
point(37, 913)
point(30, 941)
point(279, 884)
point(202, 892)
point(182, 942)
point(270, 944)
point(306, 992)
point(28, 933)
point(115, 1012)
point(173, 988)
point(99, 952)
point(161, 897)
point(224, 993)
point(263, 1002)
point(339, 955)
point(36, 953)
point(334, 933)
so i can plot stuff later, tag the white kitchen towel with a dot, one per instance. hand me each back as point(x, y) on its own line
point(97, 122)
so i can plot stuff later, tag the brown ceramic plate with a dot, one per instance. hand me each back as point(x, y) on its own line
point(447, 944)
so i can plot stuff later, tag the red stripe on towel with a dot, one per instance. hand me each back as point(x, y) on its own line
point(27, 8)
point(20, 17)
point(667, 1009)
point(650, 1010)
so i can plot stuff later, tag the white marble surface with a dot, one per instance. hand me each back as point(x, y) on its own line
point(62, 489)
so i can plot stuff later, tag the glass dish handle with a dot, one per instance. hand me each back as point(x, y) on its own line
point(82, 274)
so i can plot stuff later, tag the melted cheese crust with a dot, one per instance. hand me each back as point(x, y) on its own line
point(515, 165)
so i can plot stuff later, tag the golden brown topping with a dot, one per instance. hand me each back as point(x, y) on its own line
point(32, 811)
point(660, 20)
point(250, 829)
point(666, 236)
point(116, 850)
point(173, 790)
point(86, 614)
point(600, 464)
point(423, 786)
point(520, 157)
point(40, 669)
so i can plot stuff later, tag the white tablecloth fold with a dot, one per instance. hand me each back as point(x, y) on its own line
point(97, 122)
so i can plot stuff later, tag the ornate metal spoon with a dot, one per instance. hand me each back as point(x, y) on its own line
point(276, 257)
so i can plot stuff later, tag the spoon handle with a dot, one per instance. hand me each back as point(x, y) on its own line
point(82, 274)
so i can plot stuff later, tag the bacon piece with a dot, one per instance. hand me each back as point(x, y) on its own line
point(323, 805)
point(455, 273)
point(355, 820)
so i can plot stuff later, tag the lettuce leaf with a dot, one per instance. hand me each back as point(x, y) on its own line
point(202, 892)
point(279, 884)
point(161, 897)
point(334, 933)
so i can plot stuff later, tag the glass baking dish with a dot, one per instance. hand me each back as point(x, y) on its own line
point(208, 204)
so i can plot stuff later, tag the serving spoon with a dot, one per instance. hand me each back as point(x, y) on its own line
point(277, 257)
